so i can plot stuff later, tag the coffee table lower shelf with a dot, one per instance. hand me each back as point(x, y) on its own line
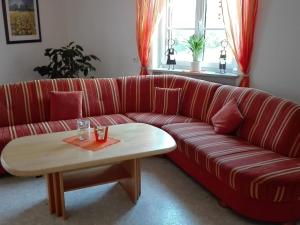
point(127, 173)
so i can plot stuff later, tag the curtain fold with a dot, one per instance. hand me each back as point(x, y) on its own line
point(239, 20)
point(147, 14)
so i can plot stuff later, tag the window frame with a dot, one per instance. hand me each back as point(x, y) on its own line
point(200, 26)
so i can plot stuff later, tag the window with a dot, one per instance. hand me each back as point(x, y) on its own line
point(185, 18)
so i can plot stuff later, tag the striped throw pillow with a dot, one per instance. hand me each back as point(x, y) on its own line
point(166, 101)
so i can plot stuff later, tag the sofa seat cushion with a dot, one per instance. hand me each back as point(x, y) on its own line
point(9, 133)
point(159, 120)
point(252, 171)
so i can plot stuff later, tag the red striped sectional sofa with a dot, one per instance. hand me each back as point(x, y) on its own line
point(256, 172)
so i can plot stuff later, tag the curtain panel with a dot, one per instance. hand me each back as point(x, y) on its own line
point(240, 19)
point(147, 15)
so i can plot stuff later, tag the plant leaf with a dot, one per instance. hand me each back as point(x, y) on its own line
point(79, 47)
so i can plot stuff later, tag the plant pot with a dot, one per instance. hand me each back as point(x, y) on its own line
point(195, 66)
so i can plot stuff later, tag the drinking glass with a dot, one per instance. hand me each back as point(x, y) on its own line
point(83, 128)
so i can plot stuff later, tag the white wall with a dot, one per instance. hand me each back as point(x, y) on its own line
point(18, 60)
point(106, 28)
point(276, 57)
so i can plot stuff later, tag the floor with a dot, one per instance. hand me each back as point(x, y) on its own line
point(169, 197)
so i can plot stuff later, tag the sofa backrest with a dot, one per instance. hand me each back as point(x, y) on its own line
point(269, 122)
point(137, 93)
point(29, 102)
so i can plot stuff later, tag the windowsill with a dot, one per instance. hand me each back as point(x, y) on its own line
point(226, 78)
point(196, 74)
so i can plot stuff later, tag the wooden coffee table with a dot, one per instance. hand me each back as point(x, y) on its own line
point(67, 167)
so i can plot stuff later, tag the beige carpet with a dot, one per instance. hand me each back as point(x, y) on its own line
point(169, 197)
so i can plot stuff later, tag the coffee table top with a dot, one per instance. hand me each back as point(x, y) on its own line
point(47, 153)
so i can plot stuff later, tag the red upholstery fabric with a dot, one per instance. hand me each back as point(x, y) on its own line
point(65, 105)
point(101, 97)
point(228, 119)
point(29, 102)
point(269, 122)
point(137, 93)
point(252, 171)
point(166, 101)
point(9, 133)
point(197, 97)
point(249, 207)
point(226, 93)
point(159, 120)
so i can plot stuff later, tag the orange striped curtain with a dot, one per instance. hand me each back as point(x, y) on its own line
point(239, 19)
point(147, 13)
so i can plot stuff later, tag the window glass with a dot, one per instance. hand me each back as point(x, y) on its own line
point(183, 13)
point(214, 17)
point(213, 44)
point(215, 34)
point(180, 37)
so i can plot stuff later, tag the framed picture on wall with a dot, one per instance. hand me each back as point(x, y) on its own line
point(21, 21)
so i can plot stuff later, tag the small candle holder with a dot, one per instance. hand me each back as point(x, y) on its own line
point(101, 133)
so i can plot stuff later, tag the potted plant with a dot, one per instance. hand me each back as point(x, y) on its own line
point(196, 45)
point(67, 62)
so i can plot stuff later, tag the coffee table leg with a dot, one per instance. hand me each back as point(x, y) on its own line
point(50, 186)
point(132, 185)
point(56, 199)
